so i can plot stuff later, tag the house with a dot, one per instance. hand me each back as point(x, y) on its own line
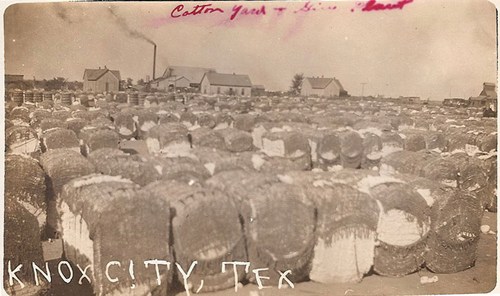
point(231, 84)
point(192, 74)
point(323, 87)
point(170, 84)
point(101, 80)
point(258, 90)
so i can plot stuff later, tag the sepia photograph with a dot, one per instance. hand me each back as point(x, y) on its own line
point(253, 148)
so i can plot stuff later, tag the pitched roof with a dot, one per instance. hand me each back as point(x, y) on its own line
point(489, 90)
point(322, 83)
point(193, 74)
point(95, 74)
point(228, 79)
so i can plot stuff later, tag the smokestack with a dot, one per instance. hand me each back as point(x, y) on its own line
point(154, 61)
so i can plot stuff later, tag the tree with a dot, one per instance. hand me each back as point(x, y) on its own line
point(129, 82)
point(297, 84)
point(140, 82)
point(55, 83)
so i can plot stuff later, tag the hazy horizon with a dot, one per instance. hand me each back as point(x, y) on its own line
point(433, 49)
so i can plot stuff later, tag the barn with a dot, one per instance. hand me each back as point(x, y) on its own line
point(232, 84)
point(323, 87)
point(101, 80)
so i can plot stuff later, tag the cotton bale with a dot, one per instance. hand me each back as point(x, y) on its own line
point(346, 223)
point(22, 245)
point(61, 114)
point(167, 117)
point(125, 125)
point(188, 118)
point(351, 149)
point(414, 141)
point(20, 115)
point(21, 139)
point(117, 163)
point(76, 124)
point(403, 226)
point(37, 116)
point(329, 150)
point(206, 120)
point(452, 243)
point(182, 169)
point(236, 140)
point(205, 137)
point(106, 219)
point(279, 223)
point(291, 145)
point(245, 122)
point(207, 229)
point(96, 138)
point(435, 140)
point(169, 139)
point(372, 151)
point(145, 120)
point(25, 183)
point(489, 143)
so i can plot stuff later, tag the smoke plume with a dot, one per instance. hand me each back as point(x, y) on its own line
point(122, 23)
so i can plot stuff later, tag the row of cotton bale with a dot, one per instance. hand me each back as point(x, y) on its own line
point(332, 226)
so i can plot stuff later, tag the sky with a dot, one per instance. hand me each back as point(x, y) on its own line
point(430, 48)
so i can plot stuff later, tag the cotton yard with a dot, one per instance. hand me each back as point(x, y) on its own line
point(351, 195)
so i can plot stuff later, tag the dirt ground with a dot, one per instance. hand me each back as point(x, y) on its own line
point(479, 279)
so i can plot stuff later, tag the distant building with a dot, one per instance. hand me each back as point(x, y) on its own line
point(455, 102)
point(101, 80)
point(192, 74)
point(258, 90)
point(487, 98)
point(170, 83)
point(232, 84)
point(409, 100)
point(323, 87)
point(14, 81)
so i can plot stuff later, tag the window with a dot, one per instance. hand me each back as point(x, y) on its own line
point(218, 90)
point(242, 91)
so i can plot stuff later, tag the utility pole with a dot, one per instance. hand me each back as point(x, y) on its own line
point(363, 88)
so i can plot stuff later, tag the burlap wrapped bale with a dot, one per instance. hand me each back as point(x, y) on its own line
point(104, 219)
point(145, 120)
point(279, 224)
point(76, 124)
point(391, 139)
point(167, 117)
point(21, 139)
point(22, 245)
point(206, 120)
point(441, 170)
point(372, 153)
point(50, 123)
point(456, 140)
point(117, 163)
point(452, 243)
point(98, 138)
point(60, 138)
point(216, 161)
point(205, 137)
point(182, 169)
point(169, 139)
point(351, 150)
point(245, 122)
point(285, 144)
point(236, 140)
point(346, 224)
point(223, 120)
point(20, 115)
point(435, 140)
point(188, 118)
point(91, 114)
point(473, 178)
point(414, 141)
point(125, 125)
point(25, 183)
point(206, 228)
point(61, 114)
point(402, 229)
point(63, 165)
point(37, 116)
point(489, 142)
point(328, 150)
